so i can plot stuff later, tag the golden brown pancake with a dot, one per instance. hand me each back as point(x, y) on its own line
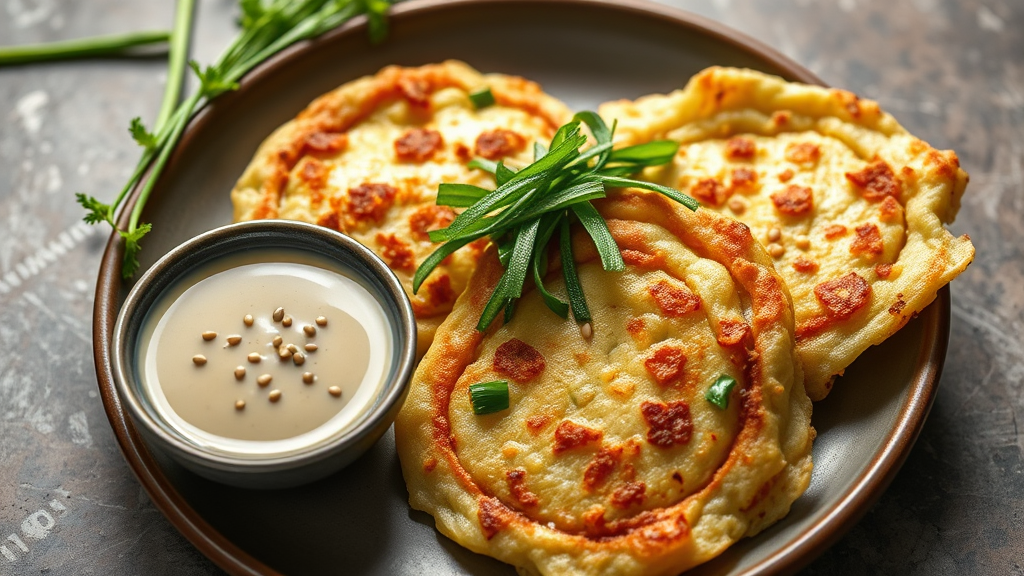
point(609, 459)
point(850, 206)
point(366, 159)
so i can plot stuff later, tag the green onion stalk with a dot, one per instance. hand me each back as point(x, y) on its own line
point(268, 26)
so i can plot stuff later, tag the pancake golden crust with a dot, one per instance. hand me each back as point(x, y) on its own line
point(850, 206)
point(366, 159)
point(609, 459)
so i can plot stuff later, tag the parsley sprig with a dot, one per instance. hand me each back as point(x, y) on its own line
point(528, 206)
point(268, 26)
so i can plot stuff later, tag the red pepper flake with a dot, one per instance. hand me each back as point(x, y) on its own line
point(731, 332)
point(635, 327)
point(897, 308)
point(370, 201)
point(674, 301)
point(492, 515)
point(794, 200)
point(396, 253)
point(889, 210)
point(517, 486)
point(416, 91)
point(786, 175)
point(876, 181)
point(743, 179)
point(570, 435)
point(629, 494)
point(666, 364)
point(739, 148)
point(803, 152)
point(668, 424)
point(709, 191)
point(518, 360)
point(429, 218)
point(805, 265)
point(418, 145)
point(868, 241)
point(537, 422)
point(440, 291)
point(883, 270)
point(841, 297)
point(325, 143)
point(833, 231)
point(499, 143)
point(600, 467)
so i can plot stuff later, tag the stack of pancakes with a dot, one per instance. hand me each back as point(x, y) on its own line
point(820, 234)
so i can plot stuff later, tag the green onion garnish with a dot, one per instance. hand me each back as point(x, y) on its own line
point(482, 98)
point(489, 397)
point(538, 203)
point(718, 394)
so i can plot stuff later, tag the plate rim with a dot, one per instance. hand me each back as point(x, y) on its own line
point(864, 491)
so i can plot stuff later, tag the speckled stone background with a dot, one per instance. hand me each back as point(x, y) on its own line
point(952, 71)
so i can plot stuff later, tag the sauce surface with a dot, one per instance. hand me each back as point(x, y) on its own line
point(244, 389)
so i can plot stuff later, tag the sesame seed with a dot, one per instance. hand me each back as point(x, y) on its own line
point(278, 314)
point(287, 321)
point(774, 235)
point(321, 321)
point(299, 358)
point(310, 347)
point(239, 372)
point(334, 391)
point(274, 395)
point(776, 250)
point(209, 335)
point(240, 405)
point(254, 357)
point(310, 330)
point(278, 341)
point(199, 359)
point(248, 319)
point(292, 348)
point(803, 242)
point(264, 379)
point(234, 340)
point(308, 377)
point(284, 353)
point(586, 330)
point(736, 205)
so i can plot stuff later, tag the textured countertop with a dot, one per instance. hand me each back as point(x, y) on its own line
point(951, 71)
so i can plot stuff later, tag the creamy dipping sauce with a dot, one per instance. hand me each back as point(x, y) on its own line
point(263, 353)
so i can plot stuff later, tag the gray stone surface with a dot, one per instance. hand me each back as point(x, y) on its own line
point(951, 71)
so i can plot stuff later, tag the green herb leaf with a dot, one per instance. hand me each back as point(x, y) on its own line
point(132, 249)
point(96, 211)
point(213, 81)
point(607, 248)
point(718, 394)
point(577, 300)
point(482, 98)
point(648, 154)
point(459, 195)
point(489, 397)
point(548, 224)
point(670, 192)
point(142, 137)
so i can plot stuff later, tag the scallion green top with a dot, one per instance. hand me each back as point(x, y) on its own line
point(529, 205)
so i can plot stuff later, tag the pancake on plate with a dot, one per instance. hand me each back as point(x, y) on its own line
point(850, 206)
point(366, 159)
point(609, 459)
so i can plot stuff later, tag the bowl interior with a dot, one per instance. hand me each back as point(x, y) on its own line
point(251, 239)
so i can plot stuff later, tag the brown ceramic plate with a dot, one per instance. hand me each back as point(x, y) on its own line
point(584, 52)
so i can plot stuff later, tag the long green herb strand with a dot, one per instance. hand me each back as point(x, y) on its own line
point(528, 206)
point(106, 45)
point(268, 26)
point(181, 36)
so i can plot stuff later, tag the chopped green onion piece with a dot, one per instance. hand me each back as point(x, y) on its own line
point(482, 98)
point(577, 301)
point(489, 397)
point(718, 394)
